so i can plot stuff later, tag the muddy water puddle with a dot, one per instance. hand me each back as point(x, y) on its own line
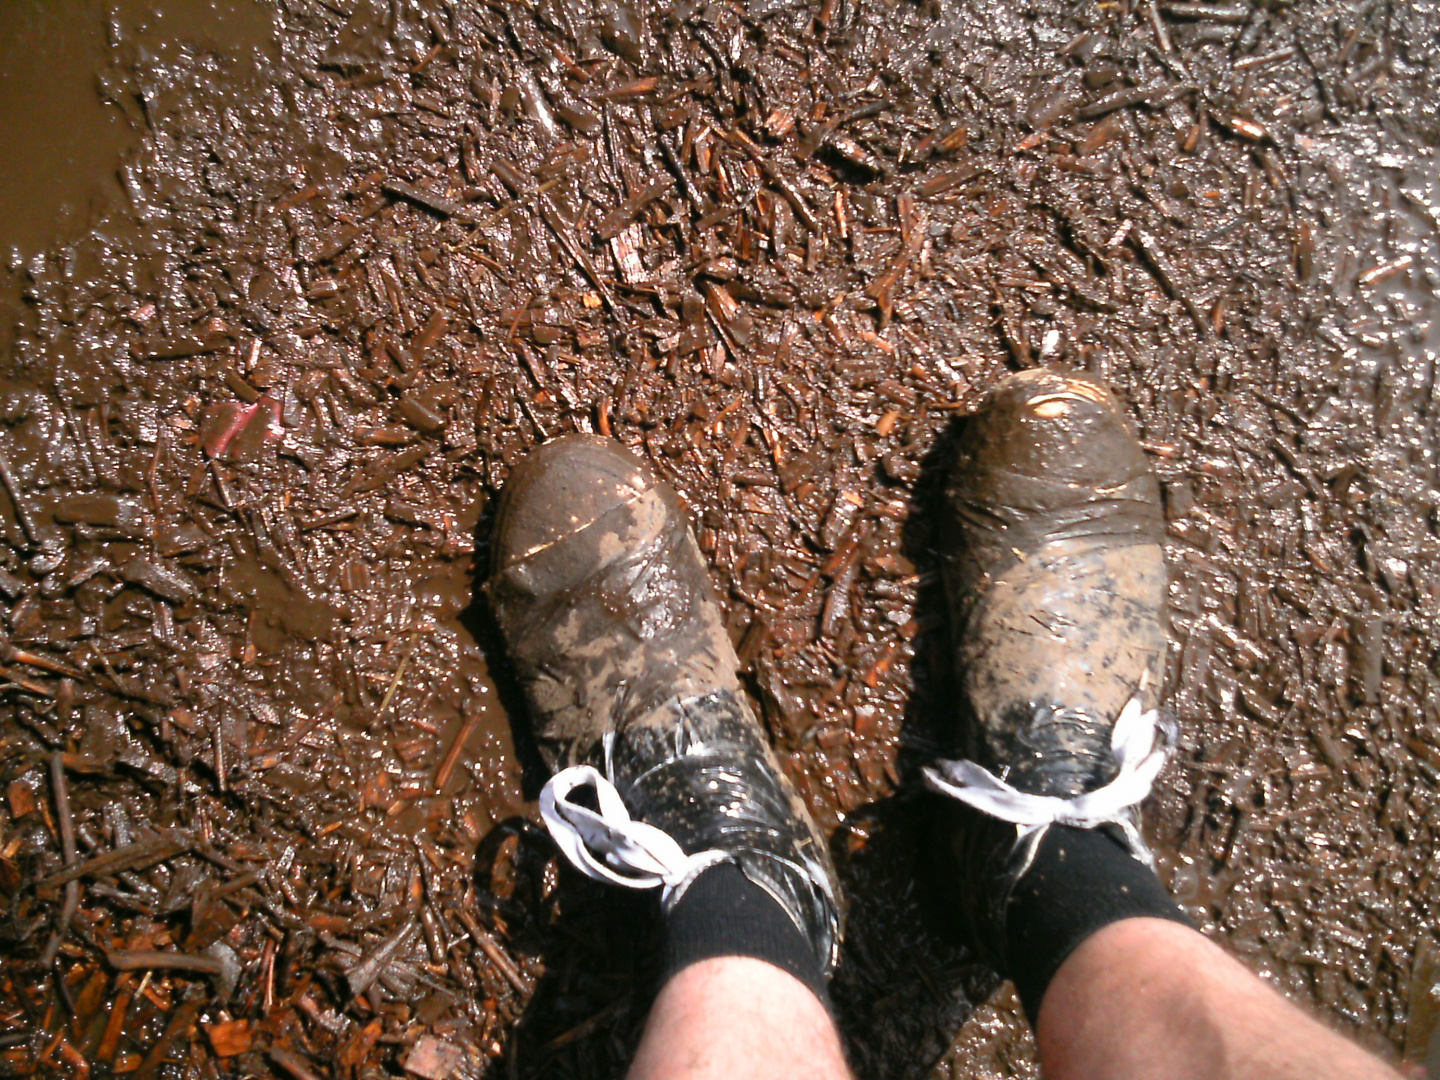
point(69, 124)
point(330, 269)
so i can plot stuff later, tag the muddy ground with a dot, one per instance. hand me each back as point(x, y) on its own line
point(359, 256)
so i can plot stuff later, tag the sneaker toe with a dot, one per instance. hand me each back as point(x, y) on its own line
point(1057, 426)
point(560, 489)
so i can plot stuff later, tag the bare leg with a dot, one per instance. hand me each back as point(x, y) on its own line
point(1148, 999)
point(734, 1018)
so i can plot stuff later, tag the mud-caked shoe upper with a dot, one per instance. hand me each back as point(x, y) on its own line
point(600, 592)
point(1055, 578)
point(613, 630)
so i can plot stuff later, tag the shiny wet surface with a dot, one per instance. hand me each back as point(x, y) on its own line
point(254, 418)
point(69, 123)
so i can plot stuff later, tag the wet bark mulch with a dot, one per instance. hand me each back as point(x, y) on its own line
point(264, 809)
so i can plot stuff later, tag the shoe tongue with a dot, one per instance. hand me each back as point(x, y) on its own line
point(1056, 751)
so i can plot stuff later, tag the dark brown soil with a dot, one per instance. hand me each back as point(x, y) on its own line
point(359, 261)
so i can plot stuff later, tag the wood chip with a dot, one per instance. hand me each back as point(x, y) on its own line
point(433, 1058)
point(21, 798)
point(230, 1037)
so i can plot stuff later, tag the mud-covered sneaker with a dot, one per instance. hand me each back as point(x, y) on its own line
point(631, 680)
point(1055, 579)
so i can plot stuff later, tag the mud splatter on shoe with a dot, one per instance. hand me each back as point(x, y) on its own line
point(614, 632)
point(1055, 579)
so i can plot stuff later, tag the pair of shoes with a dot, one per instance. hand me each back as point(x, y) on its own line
point(1056, 583)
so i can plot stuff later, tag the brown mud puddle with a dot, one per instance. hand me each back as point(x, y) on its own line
point(299, 283)
point(69, 124)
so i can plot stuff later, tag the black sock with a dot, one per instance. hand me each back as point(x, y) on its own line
point(1081, 880)
point(723, 913)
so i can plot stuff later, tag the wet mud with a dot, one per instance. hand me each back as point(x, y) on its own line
point(264, 774)
point(70, 121)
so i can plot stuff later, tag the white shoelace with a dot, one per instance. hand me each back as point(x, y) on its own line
point(1137, 751)
point(610, 845)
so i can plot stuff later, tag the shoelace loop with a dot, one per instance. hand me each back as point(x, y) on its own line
point(612, 846)
point(1137, 751)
